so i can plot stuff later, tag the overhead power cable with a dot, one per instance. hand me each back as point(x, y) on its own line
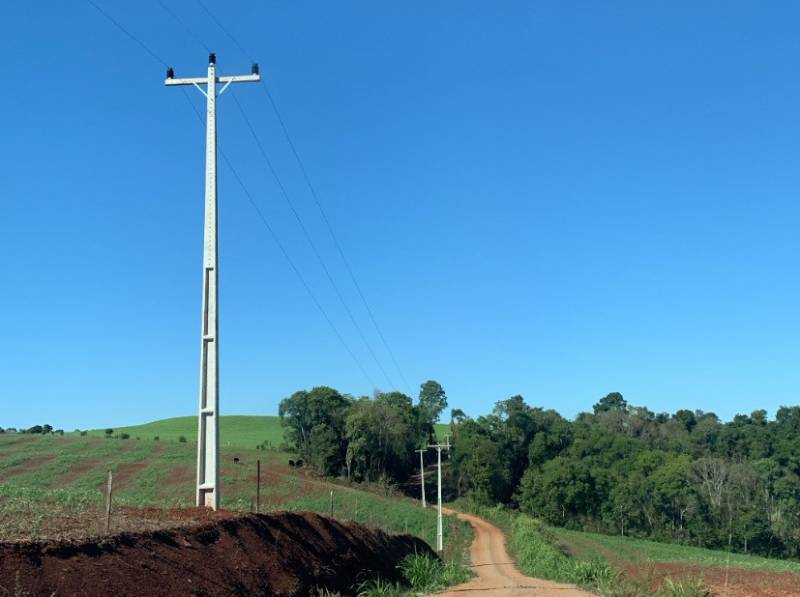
point(310, 240)
point(183, 24)
point(247, 193)
point(284, 252)
point(288, 200)
point(119, 26)
point(315, 197)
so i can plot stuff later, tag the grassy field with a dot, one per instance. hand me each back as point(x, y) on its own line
point(52, 486)
point(628, 550)
point(613, 566)
point(240, 431)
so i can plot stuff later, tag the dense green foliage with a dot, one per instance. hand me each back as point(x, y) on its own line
point(685, 477)
point(366, 439)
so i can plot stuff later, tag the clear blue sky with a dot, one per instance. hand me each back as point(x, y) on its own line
point(556, 199)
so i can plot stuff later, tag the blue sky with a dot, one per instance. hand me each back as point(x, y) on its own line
point(556, 199)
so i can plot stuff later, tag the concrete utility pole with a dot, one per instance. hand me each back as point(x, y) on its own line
point(439, 447)
point(422, 476)
point(207, 491)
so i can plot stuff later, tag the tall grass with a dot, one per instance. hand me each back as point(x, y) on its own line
point(422, 575)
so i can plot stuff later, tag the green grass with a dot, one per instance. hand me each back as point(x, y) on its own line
point(421, 576)
point(238, 431)
point(161, 474)
point(626, 549)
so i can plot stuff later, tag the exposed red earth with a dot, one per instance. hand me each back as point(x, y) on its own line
point(281, 554)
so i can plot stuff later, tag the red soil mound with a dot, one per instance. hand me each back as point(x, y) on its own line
point(277, 554)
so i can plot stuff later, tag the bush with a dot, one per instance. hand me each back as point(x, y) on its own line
point(685, 588)
point(156, 438)
point(124, 436)
point(84, 433)
point(428, 575)
point(109, 432)
point(182, 439)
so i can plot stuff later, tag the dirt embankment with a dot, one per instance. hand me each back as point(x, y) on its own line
point(279, 554)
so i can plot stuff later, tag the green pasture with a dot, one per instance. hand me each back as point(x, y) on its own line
point(63, 477)
point(626, 549)
point(239, 431)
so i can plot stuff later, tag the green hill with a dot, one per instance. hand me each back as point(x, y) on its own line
point(238, 431)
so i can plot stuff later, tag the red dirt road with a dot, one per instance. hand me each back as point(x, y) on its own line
point(496, 572)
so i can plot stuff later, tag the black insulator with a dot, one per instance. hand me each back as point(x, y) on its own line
point(254, 68)
point(212, 58)
point(170, 73)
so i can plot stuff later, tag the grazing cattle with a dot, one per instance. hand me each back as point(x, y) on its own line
point(299, 463)
point(291, 463)
point(235, 460)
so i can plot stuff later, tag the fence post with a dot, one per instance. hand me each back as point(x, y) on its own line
point(108, 500)
point(258, 485)
point(331, 503)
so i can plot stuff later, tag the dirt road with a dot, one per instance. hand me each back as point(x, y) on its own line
point(496, 572)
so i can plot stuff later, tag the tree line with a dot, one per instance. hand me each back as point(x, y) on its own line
point(364, 439)
point(684, 477)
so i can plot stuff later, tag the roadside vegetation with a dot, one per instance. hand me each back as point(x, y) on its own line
point(422, 576)
point(538, 552)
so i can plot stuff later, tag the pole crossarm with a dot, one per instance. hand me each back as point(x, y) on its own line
point(207, 489)
point(204, 80)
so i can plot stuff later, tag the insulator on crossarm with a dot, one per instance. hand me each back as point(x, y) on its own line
point(212, 58)
point(254, 69)
point(170, 73)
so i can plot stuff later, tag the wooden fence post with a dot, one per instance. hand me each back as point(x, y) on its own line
point(108, 500)
point(331, 503)
point(258, 485)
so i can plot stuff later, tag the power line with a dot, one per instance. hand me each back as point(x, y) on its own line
point(334, 237)
point(285, 194)
point(275, 238)
point(119, 26)
point(225, 31)
point(285, 254)
point(315, 197)
point(310, 239)
point(183, 24)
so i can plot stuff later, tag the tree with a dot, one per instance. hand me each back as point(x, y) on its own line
point(432, 401)
point(611, 402)
point(315, 426)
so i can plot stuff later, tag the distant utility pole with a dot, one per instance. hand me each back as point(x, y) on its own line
point(207, 491)
point(439, 447)
point(422, 476)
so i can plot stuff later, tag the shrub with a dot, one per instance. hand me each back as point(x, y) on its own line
point(687, 587)
point(84, 433)
point(109, 432)
point(124, 436)
point(379, 588)
point(182, 439)
point(156, 438)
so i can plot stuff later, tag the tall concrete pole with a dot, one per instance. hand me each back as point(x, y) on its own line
point(207, 488)
point(422, 476)
point(439, 533)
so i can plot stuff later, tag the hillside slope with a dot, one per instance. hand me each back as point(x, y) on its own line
point(242, 431)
